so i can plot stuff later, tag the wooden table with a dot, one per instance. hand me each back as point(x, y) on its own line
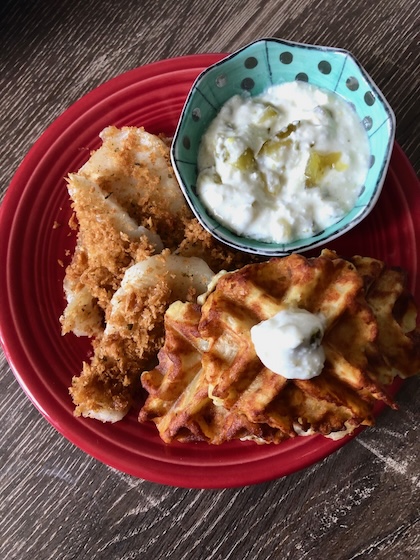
point(363, 501)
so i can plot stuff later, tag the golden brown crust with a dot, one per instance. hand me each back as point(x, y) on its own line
point(210, 385)
point(199, 242)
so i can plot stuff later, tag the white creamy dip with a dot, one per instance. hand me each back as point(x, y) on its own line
point(289, 343)
point(282, 165)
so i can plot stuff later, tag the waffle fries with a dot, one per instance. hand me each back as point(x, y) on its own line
point(211, 386)
point(179, 401)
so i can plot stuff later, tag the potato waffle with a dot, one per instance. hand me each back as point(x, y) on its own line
point(179, 401)
point(210, 384)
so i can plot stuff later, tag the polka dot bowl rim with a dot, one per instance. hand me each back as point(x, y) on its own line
point(336, 70)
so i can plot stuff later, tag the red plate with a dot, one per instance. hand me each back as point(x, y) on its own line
point(33, 252)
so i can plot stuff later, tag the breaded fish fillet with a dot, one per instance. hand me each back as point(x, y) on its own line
point(138, 248)
point(126, 200)
point(134, 332)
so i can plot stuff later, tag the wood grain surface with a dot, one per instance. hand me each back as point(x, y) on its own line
point(57, 503)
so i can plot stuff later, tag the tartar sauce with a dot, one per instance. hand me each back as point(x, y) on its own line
point(282, 165)
point(289, 343)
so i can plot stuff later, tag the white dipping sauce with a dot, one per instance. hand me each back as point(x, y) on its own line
point(282, 165)
point(290, 343)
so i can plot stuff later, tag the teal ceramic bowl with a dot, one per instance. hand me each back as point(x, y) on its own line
point(252, 70)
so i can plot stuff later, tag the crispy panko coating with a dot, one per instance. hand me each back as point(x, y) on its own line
point(134, 332)
point(211, 386)
point(115, 197)
point(200, 243)
point(129, 210)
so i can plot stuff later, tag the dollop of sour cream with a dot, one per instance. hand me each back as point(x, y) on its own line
point(289, 343)
point(282, 165)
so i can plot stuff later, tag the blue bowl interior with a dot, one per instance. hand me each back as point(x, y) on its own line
point(252, 70)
